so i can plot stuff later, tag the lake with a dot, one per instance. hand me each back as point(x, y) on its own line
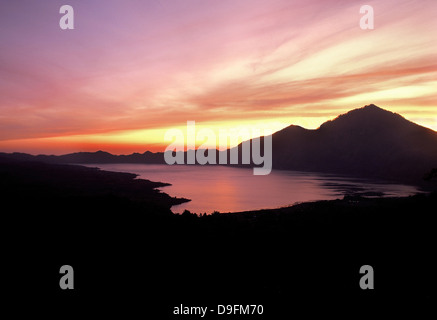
point(229, 189)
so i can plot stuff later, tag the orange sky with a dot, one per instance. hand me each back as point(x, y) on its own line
point(132, 69)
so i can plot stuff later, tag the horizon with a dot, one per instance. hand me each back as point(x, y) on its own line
point(129, 71)
point(211, 147)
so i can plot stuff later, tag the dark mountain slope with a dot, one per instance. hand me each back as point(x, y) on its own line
point(369, 142)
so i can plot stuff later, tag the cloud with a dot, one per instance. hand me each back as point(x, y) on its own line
point(136, 65)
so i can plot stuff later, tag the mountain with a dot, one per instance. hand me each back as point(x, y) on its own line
point(90, 157)
point(366, 142)
point(369, 142)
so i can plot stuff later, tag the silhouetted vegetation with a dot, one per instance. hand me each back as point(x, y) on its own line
point(127, 247)
point(432, 175)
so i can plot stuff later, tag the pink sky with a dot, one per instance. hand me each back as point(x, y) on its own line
point(132, 69)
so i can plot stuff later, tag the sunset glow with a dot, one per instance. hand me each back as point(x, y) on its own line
point(130, 70)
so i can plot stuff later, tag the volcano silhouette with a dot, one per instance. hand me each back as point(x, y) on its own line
point(368, 141)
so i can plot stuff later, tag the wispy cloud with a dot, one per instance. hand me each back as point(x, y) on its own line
point(136, 65)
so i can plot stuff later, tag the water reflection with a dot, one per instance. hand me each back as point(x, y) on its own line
point(228, 189)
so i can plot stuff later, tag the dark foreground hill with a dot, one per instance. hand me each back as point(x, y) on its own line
point(134, 257)
point(42, 182)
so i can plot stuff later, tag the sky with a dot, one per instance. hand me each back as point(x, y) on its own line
point(131, 70)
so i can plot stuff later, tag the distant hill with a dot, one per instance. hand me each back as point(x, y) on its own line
point(366, 142)
point(90, 157)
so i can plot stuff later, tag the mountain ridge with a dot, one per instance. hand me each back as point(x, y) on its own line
point(366, 142)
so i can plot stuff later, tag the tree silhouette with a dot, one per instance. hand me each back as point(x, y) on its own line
point(431, 175)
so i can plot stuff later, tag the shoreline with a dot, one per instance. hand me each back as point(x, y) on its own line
point(341, 186)
point(131, 181)
point(149, 158)
point(108, 225)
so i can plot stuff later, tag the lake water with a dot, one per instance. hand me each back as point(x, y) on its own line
point(228, 189)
